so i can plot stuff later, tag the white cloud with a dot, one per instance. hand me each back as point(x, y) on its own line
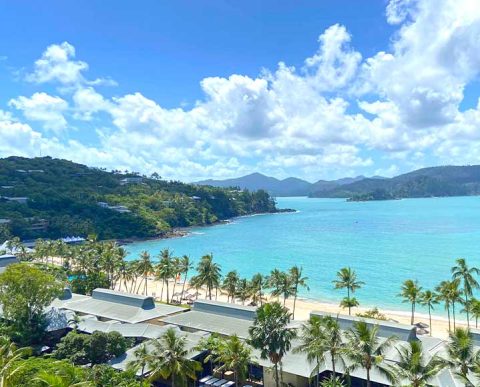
point(44, 108)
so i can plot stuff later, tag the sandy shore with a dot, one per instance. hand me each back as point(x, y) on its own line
point(305, 306)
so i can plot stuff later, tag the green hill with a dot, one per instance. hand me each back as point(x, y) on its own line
point(425, 182)
point(50, 198)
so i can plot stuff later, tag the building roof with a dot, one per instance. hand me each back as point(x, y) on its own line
point(192, 340)
point(121, 306)
point(140, 330)
point(215, 316)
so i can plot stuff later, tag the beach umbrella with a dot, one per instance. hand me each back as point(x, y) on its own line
point(422, 331)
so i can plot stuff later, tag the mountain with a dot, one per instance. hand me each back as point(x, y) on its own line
point(51, 198)
point(255, 181)
point(425, 182)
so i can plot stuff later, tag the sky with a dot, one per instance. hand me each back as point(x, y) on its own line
point(218, 89)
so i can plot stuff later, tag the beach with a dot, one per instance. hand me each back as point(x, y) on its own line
point(305, 306)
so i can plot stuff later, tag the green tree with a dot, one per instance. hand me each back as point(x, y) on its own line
point(10, 354)
point(475, 310)
point(234, 355)
point(297, 281)
point(347, 279)
point(257, 283)
point(165, 270)
point(145, 268)
point(365, 349)
point(25, 291)
point(209, 273)
point(429, 299)
point(461, 352)
point(185, 266)
point(411, 292)
point(349, 302)
point(230, 283)
point(141, 359)
point(243, 291)
point(270, 334)
point(414, 365)
point(169, 359)
point(466, 275)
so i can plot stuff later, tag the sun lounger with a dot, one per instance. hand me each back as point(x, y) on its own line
point(228, 384)
point(205, 378)
point(211, 381)
point(219, 383)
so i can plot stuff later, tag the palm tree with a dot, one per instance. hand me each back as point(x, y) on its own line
point(257, 283)
point(9, 356)
point(347, 278)
point(297, 281)
point(364, 348)
point(321, 336)
point(270, 334)
point(141, 359)
point(165, 270)
point(475, 310)
point(230, 283)
point(211, 344)
point(429, 299)
point(466, 275)
point(443, 290)
point(185, 265)
point(208, 273)
point(274, 282)
point(455, 296)
point(144, 268)
point(461, 352)
point(410, 292)
point(413, 365)
point(243, 290)
point(65, 375)
point(234, 356)
point(349, 303)
point(169, 359)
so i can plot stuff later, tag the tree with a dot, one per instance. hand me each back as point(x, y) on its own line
point(9, 356)
point(230, 283)
point(144, 267)
point(450, 294)
point(234, 356)
point(461, 352)
point(243, 290)
point(364, 348)
point(429, 299)
point(165, 270)
point(208, 273)
point(443, 290)
point(25, 291)
point(410, 292)
point(347, 279)
point(141, 359)
point(257, 284)
point(169, 359)
point(475, 310)
point(297, 281)
point(462, 272)
point(349, 303)
point(414, 366)
point(321, 336)
point(185, 267)
point(270, 334)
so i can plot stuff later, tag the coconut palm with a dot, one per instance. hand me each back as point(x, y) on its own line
point(165, 270)
point(270, 334)
point(282, 285)
point(413, 365)
point(349, 302)
point(208, 273)
point(9, 356)
point(274, 282)
point(364, 348)
point(141, 359)
point(410, 292)
point(455, 295)
point(169, 359)
point(475, 310)
point(297, 281)
point(321, 337)
point(347, 279)
point(443, 290)
point(230, 283)
point(243, 290)
point(462, 356)
point(144, 267)
point(65, 375)
point(258, 283)
point(211, 344)
point(185, 266)
point(429, 299)
point(466, 275)
point(234, 355)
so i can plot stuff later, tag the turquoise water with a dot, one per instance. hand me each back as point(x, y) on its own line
point(385, 242)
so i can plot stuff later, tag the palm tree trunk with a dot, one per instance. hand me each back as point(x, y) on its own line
point(173, 290)
point(453, 312)
point(168, 294)
point(183, 287)
point(430, 318)
point(467, 307)
point(277, 384)
point(413, 314)
point(334, 372)
point(476, 321)
point(146, 285)
point(448, 313)
point(369, 384)
point(348, 297)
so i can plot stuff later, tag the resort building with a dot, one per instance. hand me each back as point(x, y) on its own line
point(131, 180)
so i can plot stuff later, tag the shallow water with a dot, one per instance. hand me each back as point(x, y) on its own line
point(386, 242)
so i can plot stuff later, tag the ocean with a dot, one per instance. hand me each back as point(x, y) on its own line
point(385, 242)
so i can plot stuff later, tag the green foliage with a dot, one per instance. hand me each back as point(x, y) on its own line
point(84, 284)
point(66, 195)
point(97, 348)
point(102, 375)
point(373, 313)
point(25, 291)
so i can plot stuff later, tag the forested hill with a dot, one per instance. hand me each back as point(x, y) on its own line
point(50, 198)
point(426, 182)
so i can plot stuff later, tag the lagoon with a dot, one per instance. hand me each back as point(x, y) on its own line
point(386, 242)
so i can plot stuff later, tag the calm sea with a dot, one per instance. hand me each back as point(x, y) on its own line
point(386, 242)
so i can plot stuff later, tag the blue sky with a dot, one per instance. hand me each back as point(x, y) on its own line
point(199, 89)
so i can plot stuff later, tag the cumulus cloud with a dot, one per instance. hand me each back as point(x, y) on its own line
point(337, 114)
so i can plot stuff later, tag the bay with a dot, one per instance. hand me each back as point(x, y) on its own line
point(386, 242)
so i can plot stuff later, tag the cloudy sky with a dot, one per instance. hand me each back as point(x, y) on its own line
point(215, 89)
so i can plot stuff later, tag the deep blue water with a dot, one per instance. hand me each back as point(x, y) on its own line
point(386, 242)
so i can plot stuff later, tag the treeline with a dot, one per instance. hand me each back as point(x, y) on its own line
point(66, 196)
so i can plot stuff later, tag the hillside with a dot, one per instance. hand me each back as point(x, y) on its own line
point(291, 186)
point(425, 182)
point(50, 198)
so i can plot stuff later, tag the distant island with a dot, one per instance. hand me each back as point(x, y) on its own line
point(426, 182)
point(52, 198)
